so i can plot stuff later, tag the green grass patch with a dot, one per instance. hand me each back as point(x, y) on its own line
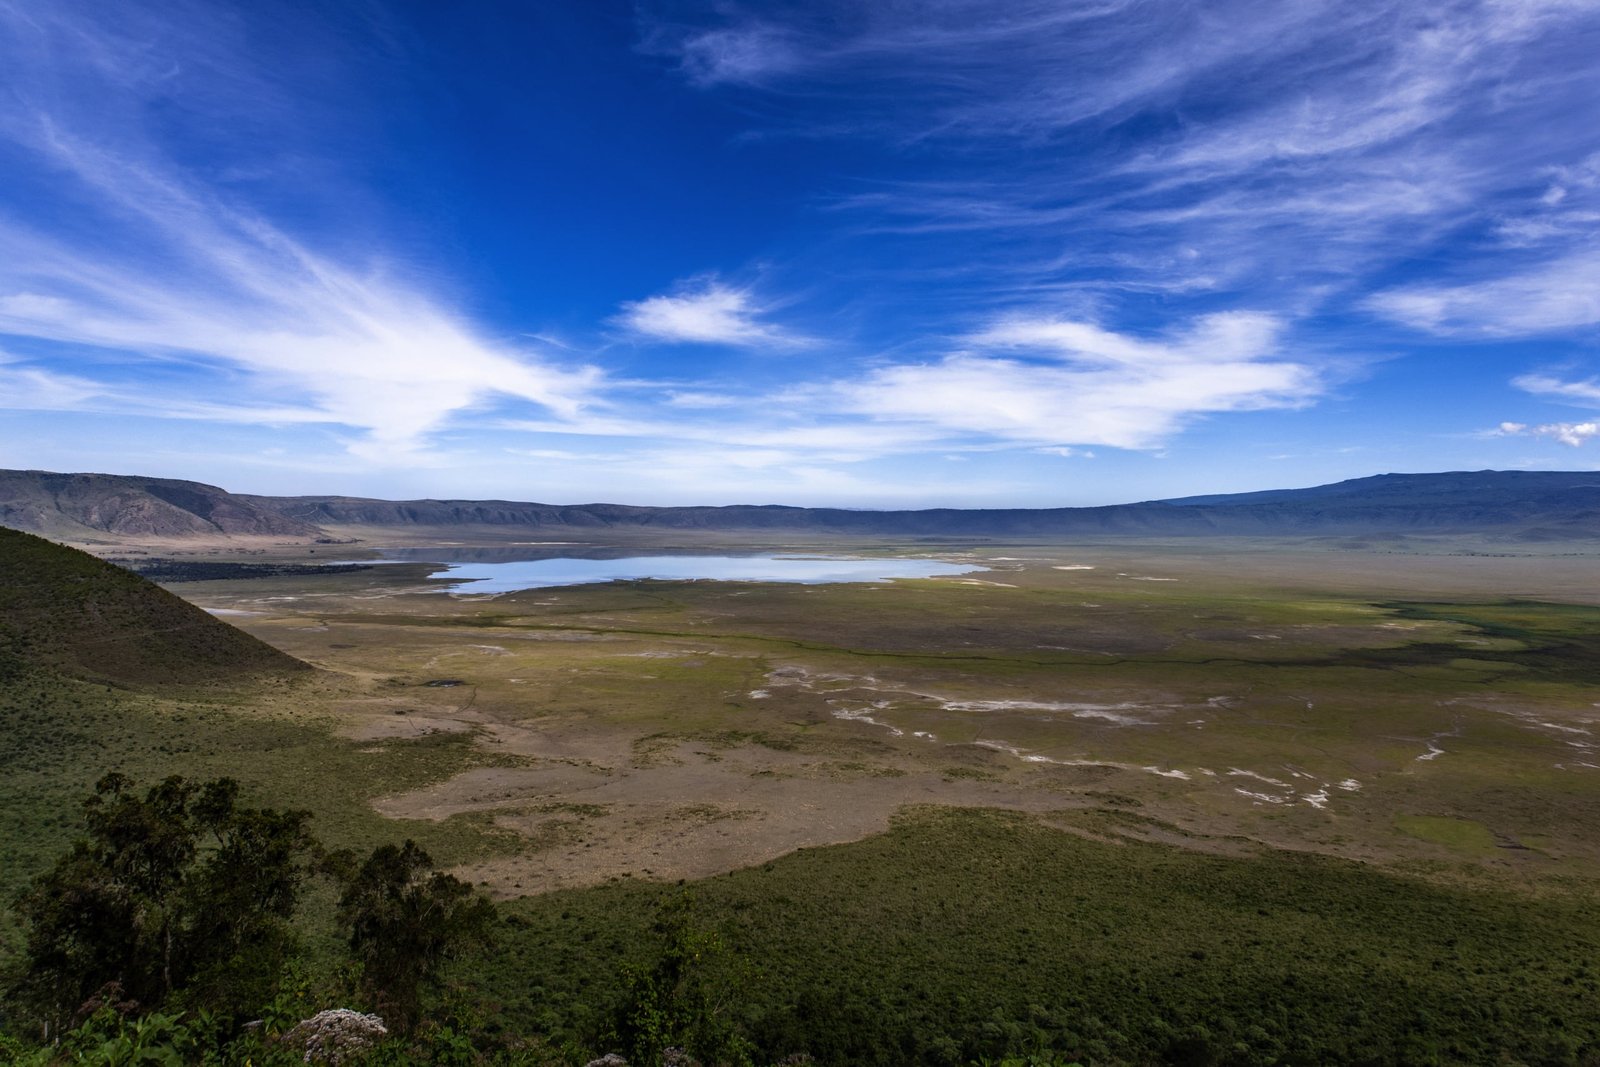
point(58, 736)
point(1554, 642)
point(1463, 835)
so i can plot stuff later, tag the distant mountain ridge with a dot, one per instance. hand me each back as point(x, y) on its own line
point(80, 506)
point(1529, 505)
point(1526, 486)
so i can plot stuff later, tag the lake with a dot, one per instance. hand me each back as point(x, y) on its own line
point(507, 576)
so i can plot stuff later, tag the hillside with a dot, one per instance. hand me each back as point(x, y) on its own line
point(1535, 505)
point(87, 506)
point(1518, 505)
point(65, 610)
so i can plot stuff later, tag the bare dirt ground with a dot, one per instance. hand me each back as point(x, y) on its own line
point(688, 812)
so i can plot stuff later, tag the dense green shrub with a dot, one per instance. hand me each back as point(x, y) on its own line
point(181, 890)
point(406, 920)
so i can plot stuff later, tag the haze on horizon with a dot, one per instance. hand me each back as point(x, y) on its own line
point(940, 252)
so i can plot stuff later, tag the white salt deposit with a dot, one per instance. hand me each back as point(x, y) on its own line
point(1235, 772)
point(1106, 712)
point(857, 714)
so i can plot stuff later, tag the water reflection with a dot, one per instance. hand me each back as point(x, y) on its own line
point(488, 575)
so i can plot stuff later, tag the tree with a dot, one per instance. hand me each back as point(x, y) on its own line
point(181, 890)
point(684, 998)
point(407, 920)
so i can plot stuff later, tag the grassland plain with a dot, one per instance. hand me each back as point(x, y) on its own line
point(1177, 739)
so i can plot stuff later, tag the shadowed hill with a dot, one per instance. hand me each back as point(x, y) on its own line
point(85, 506)
point(67, 611)
point(1528, 505)
point(1525, 489)
point(1514, 505)
point(1518, 504)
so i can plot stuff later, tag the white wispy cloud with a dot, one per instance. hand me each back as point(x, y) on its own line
point(159, 266)
point(1552, 296)
point(744, 54)
point(982, 63)
point(1047, 384)
point(796, 422)
point(1091, 386)
point(1125, 165)
point(1292, 157)
point(705, 312)
point(1572, 434)
point(1585, 392)
point(703, 401)
point(1581, 393)
point(24, 388)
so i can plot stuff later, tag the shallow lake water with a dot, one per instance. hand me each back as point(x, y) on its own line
point(506, 576)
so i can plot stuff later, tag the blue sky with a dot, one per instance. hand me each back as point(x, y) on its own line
point(930, 252)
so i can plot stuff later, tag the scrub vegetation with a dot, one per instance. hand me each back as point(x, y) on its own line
point(1188, 806)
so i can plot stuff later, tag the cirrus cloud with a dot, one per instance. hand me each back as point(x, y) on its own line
point(1583, 392)
point(1085, 385)
point(159, 267)
point(1571, 434)
point(1557, 295)
point(707, 312)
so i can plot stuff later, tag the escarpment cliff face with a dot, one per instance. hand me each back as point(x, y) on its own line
point(64, 610)
point(1532, 504)
point(1517, 505)
point(80, 506)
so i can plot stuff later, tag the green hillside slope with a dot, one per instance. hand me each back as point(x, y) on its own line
point(67, 611)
